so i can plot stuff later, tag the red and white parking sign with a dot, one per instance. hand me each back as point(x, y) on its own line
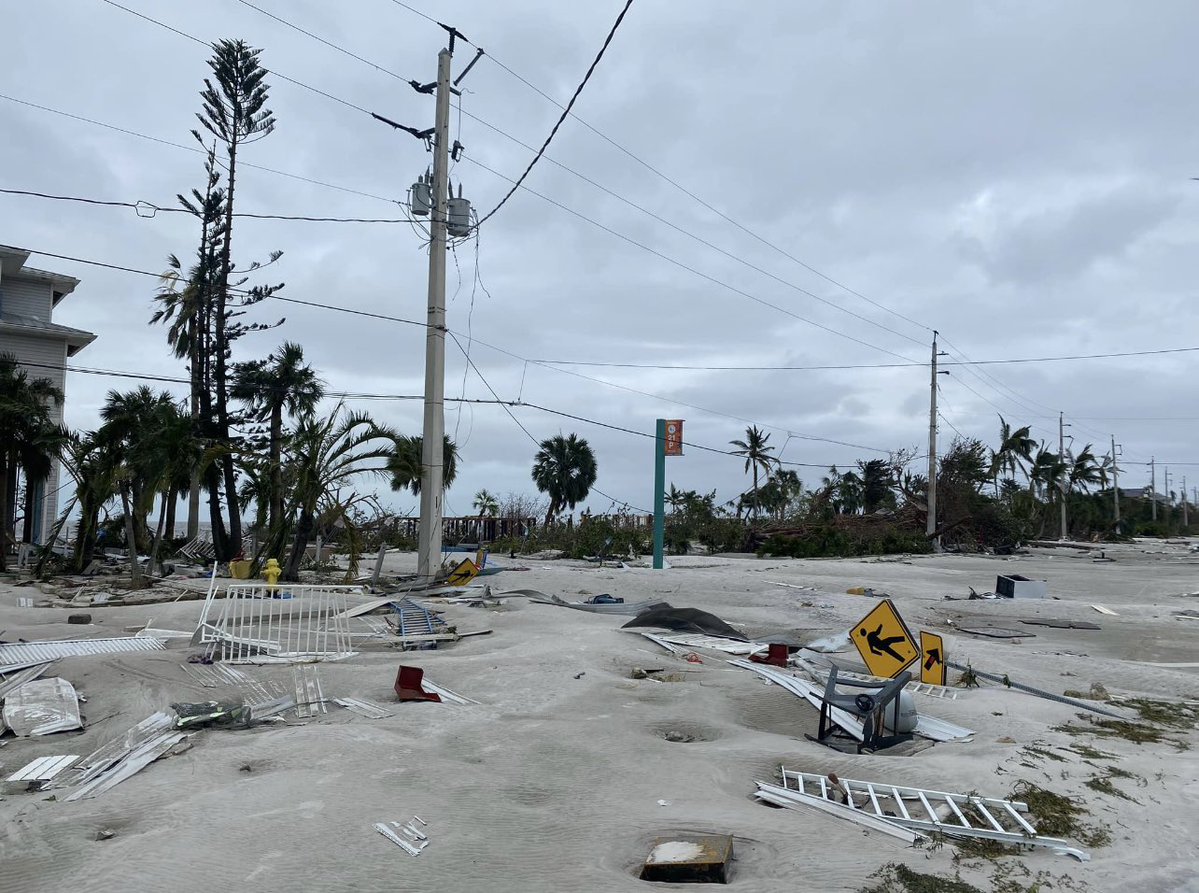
point(674, 437)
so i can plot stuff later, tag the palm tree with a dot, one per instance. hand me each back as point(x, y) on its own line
point(1085, 469)
point(404, 463)
point(565, 468)
point(235, 113)
point(755, 451)
point(1015, 451)
point(134, 425)
point(280, 383)
point(486, 504)
point(27, 436)
point(326, 456)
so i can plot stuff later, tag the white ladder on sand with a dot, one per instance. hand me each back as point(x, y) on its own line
point(933, 812)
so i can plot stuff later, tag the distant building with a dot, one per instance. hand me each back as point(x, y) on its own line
point(27, 300)
point(1143, 493)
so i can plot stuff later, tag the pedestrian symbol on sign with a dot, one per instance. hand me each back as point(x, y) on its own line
point(884, 641)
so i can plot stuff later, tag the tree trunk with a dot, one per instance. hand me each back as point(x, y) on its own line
point(4, 514)
point(157, 542)
point(304, 528)
point(276, 460)
point(221, 357)
point(172, 498)
point(135, 571)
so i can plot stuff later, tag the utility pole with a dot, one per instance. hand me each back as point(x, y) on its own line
point(931, 526)
point(1166, 491)
point(1115, 481)
point(433, 432)
point(1185, 520)
point(1153, 487)
point(1061, 452)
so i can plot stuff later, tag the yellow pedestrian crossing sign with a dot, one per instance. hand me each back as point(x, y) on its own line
point(466, 571)
point(932, 658)
point(884, 641)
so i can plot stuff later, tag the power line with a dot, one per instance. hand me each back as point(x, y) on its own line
point(506, 352)
point(689, 269)
point(140, 206)
point(566, 111)
point(195, 149)
point(735, 257)
point(688, 192)
point(541, 153)
point(320, 39)
point(813, 368)
point(205, 43)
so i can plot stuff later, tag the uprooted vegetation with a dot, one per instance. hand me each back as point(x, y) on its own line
point(1009, 876)
point(1056, 815)
point(1144, 732)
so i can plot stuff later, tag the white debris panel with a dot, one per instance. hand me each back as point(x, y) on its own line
point(42, 707)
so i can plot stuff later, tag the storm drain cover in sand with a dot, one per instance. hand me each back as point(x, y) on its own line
point(690, 859)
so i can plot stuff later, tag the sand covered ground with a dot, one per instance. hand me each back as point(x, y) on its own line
point(552, 781)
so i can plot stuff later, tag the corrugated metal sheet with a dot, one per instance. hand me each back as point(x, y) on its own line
point(25, 653)
point(42, 769)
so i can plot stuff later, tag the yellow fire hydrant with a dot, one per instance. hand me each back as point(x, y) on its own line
point(272, 572)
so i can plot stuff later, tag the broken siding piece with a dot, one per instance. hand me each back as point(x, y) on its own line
point(42, 770)
point(42, 707)
point(25, 654)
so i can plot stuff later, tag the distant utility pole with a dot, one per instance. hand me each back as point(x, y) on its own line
point(931, 526)
point(1153, 487)
point(1185, 520)
point(1061, 452)
point(1166, 491)
point(1115, 481)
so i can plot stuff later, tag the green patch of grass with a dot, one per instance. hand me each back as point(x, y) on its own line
point(1055, 815)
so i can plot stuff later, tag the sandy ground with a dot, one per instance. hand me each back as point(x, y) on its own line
point(553, 781)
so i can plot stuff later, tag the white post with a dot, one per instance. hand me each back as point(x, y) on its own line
point(1115, 481)
point(931, 526)
point(1061, 452)
point(1153, 487)
point(433, 433)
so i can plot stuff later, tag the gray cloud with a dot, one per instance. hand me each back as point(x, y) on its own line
point(1013, 176)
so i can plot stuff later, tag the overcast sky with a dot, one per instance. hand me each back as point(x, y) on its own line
point(1014, 175)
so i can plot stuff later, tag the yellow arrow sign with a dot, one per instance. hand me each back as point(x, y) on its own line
point(466, 571)
point(932, 658)
point(884, 641)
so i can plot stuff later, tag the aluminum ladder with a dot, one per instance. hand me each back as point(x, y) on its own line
point(933, 812)
point(416, 620)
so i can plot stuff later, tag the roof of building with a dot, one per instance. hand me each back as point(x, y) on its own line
point(76, 339)
point(12, 263)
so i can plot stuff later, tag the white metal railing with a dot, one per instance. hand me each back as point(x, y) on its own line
point(287, 623)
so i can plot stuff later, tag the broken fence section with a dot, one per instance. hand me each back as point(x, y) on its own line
point(27, 654)
point(363, 708)
point(122, 757)
point(407, 836)
point(41, 771)
point(931, 811)
point(283, 624)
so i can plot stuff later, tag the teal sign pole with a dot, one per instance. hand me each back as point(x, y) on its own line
point(659, 493)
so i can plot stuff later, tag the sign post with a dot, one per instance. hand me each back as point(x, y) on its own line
point(668, 441)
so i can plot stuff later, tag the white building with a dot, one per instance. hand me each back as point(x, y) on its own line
point(27, 300)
